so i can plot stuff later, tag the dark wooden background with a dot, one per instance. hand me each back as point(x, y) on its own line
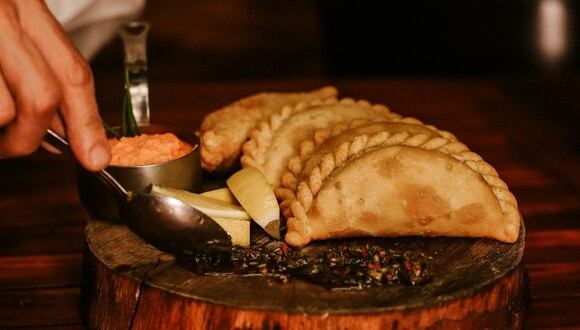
point(205, 54)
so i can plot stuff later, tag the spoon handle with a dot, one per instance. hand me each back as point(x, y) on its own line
point(63, 146)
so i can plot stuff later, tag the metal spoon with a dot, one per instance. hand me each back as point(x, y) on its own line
point(167, 223)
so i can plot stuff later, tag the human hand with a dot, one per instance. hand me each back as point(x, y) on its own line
point(45, 82)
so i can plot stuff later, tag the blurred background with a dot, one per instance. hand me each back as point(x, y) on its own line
point(528, 47)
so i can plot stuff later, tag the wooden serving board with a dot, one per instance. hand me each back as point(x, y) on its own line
point(130, 284)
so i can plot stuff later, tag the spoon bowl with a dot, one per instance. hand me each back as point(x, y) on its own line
point(172, 225)
point(165, 222)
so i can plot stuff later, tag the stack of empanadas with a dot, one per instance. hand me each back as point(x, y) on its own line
point(345, 168)
point(224, 131)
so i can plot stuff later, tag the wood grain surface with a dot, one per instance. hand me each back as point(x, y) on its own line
point(460, 268)
point(196, 315)
point(124, 273)
point(42, 222)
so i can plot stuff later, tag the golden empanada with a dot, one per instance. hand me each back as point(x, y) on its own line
point(325, 141)
point(404, 183)
point(223, 132)
point(275, 140)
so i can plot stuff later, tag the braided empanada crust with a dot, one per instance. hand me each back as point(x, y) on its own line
point(272, 142)
point(223, 132)
point(297, 202)
point(309, 147)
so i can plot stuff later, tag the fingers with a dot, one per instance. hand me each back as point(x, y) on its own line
point(57, 126)
point(78, 106)
point(31, 82)
point(7, 108)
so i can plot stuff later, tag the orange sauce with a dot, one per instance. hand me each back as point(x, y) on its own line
point(146, 149)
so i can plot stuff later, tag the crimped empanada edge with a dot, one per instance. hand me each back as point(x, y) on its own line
point(296, 204)
point(212, 142)
point(309, 146)
point(253, 151)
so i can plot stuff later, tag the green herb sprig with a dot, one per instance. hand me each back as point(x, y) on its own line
point(129, 125)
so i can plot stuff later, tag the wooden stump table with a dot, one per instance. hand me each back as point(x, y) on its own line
point(130, 284)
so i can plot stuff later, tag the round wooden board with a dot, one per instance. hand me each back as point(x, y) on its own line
point(128, 283)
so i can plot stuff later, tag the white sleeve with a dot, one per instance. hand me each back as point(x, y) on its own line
point(92, 23)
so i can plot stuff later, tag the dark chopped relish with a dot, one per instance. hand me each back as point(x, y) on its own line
point(342, 266)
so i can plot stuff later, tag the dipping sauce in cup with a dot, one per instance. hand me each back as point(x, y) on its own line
point(161, 155)
point(146, 149)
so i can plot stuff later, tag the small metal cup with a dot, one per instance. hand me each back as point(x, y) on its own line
point(182, 173)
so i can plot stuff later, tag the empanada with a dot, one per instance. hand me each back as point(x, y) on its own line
point(223, 132)
point(325, 141)
point(274, 141)
point(400, 184)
